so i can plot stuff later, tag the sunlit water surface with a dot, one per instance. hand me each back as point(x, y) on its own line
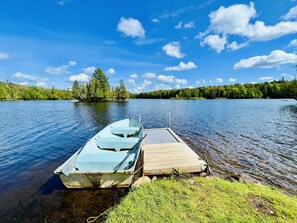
point(258, 137)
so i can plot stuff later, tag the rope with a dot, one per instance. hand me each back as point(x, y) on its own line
point(94, 218)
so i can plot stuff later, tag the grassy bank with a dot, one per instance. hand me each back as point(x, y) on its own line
point(204, 200)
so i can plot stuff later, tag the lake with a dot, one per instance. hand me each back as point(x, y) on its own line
point(257, 137)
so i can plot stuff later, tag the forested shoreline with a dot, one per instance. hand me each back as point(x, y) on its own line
point(98, 89)
point(11, 91)
point(275, 89)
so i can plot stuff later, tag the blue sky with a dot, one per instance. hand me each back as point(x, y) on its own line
point(149, 44)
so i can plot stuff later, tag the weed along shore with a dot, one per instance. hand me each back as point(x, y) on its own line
point(203, 199)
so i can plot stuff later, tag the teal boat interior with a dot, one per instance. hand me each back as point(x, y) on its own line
point(115, 148)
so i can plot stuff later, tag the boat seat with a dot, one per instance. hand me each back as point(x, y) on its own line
point(116, 143)
point(125, 131)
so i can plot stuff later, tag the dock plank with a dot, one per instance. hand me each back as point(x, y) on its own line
point(166, 155)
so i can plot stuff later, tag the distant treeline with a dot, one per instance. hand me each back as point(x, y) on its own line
point(10, 91)
point(275, 89)
point(98, 89)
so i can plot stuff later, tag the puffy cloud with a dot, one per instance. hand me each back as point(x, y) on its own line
point(293, 43)
point(149, 75)
point(219, 80)
point(131, 27)
point(111, 71)
point(182, 66)
point(173, 49)
point(189, 25)
point(235, 46)
point(61, 69)
point(274, 59)
point(131, 81)
point(155, 20)
point(28, 77)
point(167, 79)
point(79, 77)
point(21, 75)
point(146, 83)
point(232, 80)
point(235, 20)
point(4, 56)
point(215, 41)
point(89, 70)
point(133, 76)
point(266, 78)
point(198, 82)
point(292, 14)
point(203, 81)
point(181, 81)
point(41, 84)
point(162, 87)
point(179, 25)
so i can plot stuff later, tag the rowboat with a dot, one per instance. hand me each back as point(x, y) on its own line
point(107, 160)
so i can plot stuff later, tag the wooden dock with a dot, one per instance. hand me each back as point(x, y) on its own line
point(164, 152)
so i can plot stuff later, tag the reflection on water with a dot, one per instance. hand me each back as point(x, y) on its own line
point(258, 137)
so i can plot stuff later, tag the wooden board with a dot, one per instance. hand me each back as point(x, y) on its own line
point(165, 158)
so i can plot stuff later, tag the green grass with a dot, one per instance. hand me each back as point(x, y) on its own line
point(207, 200)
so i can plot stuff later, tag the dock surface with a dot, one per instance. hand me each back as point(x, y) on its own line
point(164, 152)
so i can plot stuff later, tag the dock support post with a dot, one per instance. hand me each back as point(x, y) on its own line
point(169, 118)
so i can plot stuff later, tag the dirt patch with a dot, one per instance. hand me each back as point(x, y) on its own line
point(261, 204)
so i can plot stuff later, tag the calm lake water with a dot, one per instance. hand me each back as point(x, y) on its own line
point(258, 137)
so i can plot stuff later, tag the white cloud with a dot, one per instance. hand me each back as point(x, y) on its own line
point(131, 27)
point(266, 78)
point(293, 43)
point(149, 75)
point(177, 86)
point(215, 41)
point(89, 70)
point(232, 80)
point(21, 75)
point(235, 20)
point(4, 56)
point(191, 87)
point(219, 80)
point(284, 75)
point(133, 76)
point(146, 83)
point(155, 20)
point(291, 15)
point(61, 69)
point(203, 81)
point(167, 79)
point(198, 82)
point(23, 83)
point(173, 49)
point(179, 25)
point(131, 81)
point(111, 71)
point(274, 59)
point(182, 66)
point(41, 84)
point(189, 25)
point(181, 81)
point(162, 87)
point(79, 77)
point(235, 46)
